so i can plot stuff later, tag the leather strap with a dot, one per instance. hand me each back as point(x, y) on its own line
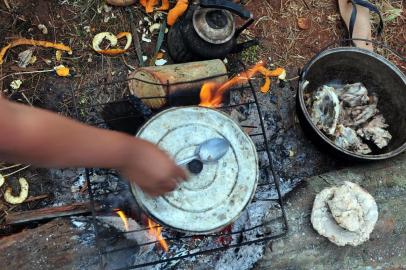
point(368, 5)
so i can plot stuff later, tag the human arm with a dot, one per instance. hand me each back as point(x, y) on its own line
point(42, 138)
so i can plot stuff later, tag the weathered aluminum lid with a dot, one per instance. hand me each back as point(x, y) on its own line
point(214, 198)
point(214, 25)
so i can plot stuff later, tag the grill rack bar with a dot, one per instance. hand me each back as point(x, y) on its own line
point(275, 182)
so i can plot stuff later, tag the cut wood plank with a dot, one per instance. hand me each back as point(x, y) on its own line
point(48, 213)
point(54, 245)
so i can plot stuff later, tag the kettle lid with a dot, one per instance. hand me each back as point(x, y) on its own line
point(214, 25)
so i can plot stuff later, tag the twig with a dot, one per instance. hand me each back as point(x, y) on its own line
point(84, 188)
point(36, 198)
point(27, 72)
point(304, 1)
point(294, 78)
point(25, 97)
point(128, 65)
point(7, 4)
point(10, 167)
point(136, 40)
point(19, 170)
point(48, 213)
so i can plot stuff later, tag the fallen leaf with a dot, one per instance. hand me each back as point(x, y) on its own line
point(33, 59)
point(16, 84)
point(303, 23)
point(58, 55)
point(24, 58)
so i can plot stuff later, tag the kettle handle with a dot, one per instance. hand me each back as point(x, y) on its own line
point(228, 5)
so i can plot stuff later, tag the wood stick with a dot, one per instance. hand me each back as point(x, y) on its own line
point(36, 198)
point(48, 213)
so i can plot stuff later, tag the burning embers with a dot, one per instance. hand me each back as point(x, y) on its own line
point(211, 94)
point(154, 229)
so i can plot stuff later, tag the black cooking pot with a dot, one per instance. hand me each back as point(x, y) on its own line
point(380, 76)
point(207, 31)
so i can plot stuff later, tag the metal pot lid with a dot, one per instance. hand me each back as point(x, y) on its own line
point(214, 25)
point(216, 196)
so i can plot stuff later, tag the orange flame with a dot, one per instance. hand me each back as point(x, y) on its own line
point(155, 230)
point(211, 94)
point(123, 218)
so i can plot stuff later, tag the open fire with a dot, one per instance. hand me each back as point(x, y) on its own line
point(123, 218)
point(154, 229)
point(211, 94)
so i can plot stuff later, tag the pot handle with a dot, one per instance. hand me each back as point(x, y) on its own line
point(228, 5)
point(340, 41)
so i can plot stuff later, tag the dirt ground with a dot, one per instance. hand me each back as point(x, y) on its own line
point(75, 22)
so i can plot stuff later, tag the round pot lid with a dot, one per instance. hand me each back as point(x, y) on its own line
point(214, 25)
point(215, 197)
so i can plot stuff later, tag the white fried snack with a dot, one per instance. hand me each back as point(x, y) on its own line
point(346, 215)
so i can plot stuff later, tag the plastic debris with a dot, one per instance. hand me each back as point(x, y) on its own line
point(160, 62)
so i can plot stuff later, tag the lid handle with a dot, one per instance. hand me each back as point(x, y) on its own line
point(228, 5)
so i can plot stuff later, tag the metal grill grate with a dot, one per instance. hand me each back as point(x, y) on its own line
point(269, 178)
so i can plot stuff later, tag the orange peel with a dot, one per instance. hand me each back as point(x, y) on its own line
point(62, 71)
point(164, 5)
point(173, 14)
point(149, 8)
point(113, 40)
point(278, 72)
point(32, 42)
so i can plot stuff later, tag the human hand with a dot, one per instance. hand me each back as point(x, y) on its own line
point(151, 169)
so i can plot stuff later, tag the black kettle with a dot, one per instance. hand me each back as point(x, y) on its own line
point(207, 31)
